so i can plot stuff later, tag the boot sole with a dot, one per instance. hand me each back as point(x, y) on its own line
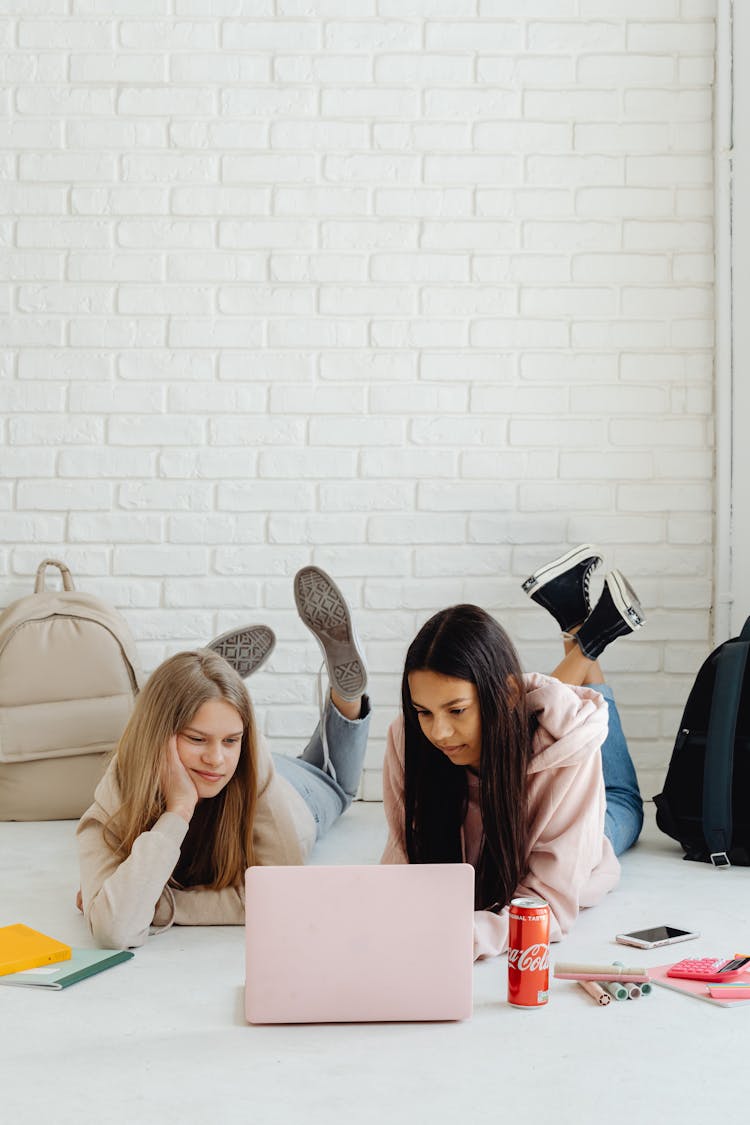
point(560, 565)
point(245, 649)
point(625, 599)
point(323, 609)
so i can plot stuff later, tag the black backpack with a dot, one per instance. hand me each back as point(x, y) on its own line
point(705, 803)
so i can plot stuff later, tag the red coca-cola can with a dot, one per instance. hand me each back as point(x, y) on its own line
point(528, 953)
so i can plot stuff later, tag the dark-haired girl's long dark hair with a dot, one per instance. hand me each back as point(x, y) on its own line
point(466, 643)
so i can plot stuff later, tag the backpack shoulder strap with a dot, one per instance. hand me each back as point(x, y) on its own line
point(719, 759)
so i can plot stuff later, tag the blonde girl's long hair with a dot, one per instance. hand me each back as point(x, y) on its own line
point(166, 705)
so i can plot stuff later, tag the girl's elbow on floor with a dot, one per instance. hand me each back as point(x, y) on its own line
point(109, 935)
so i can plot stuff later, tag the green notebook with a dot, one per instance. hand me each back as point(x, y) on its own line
point(83, 963)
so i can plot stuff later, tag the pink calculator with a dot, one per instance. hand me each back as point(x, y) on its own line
point(710, 968)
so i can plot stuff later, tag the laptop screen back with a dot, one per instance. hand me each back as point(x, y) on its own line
point(359, 943)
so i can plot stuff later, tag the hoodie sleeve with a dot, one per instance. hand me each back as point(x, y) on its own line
point(490, 933)
point(125, 900)
point(283, 832)
point(570, 845)
point(122, 896)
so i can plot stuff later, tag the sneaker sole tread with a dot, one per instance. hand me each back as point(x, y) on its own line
point(245, 649)
point(322, 607)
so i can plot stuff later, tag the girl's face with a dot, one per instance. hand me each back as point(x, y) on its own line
point(448, 711)
point(209, 746)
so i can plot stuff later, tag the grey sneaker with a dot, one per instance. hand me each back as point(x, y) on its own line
point(322, 607)
point(562, 586)
point(245, 649)
point(617, 613)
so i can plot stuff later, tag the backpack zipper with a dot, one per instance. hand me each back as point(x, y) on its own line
point(93, 621)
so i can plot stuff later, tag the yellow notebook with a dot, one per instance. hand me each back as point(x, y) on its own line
point(23, 948)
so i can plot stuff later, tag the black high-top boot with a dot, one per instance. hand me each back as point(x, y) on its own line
point(617, 613)
point(562, 586)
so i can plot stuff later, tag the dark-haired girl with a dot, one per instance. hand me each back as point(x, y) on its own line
point(525, 776)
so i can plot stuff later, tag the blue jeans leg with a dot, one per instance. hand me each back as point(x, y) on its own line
point(327, 798)
point(624, 817)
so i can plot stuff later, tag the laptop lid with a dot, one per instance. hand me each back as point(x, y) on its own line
point(345, 944)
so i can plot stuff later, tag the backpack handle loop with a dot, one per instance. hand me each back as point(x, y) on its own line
point(730, 663)
point(67, 577)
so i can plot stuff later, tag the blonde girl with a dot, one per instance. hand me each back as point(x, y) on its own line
point(192, 797)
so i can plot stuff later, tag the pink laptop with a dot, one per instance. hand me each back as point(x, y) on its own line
point(345, 944)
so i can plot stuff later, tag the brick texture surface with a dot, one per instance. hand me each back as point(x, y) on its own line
point(418, 290)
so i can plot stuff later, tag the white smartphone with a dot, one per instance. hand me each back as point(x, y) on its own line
point(656, 936)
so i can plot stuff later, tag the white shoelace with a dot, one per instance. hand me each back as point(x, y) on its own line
point(323, 701)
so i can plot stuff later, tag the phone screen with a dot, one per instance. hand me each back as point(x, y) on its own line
point(658, 933)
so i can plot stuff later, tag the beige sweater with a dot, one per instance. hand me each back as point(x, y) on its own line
point(123, 899)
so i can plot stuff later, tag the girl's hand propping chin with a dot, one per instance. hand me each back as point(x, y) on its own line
point(180, 793)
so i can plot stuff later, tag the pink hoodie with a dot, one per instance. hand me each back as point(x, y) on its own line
point(571, 862)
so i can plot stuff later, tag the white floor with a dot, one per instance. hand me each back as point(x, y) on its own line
point(163, 1037)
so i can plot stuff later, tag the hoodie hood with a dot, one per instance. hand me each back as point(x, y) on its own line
point(572, 721)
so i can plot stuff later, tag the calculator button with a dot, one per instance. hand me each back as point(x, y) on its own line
point(704, 968)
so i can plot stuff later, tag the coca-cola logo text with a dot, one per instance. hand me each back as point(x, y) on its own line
point(530, 960)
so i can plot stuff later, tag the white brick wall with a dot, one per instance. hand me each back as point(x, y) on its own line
point(419, 290)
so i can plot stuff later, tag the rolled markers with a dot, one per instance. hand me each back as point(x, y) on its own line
point(595, 991)
point(635, 990)
point(616, 990)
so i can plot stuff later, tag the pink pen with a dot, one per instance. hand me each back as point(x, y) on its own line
point(603, 974)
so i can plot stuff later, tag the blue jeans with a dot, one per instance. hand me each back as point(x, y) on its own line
point(624, 817)
point(326, 797)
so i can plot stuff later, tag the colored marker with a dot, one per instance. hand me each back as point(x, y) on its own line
point(588, 971)
point(595, 991)
point(616, 990)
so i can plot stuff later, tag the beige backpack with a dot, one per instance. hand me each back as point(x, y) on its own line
point(69, 674)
